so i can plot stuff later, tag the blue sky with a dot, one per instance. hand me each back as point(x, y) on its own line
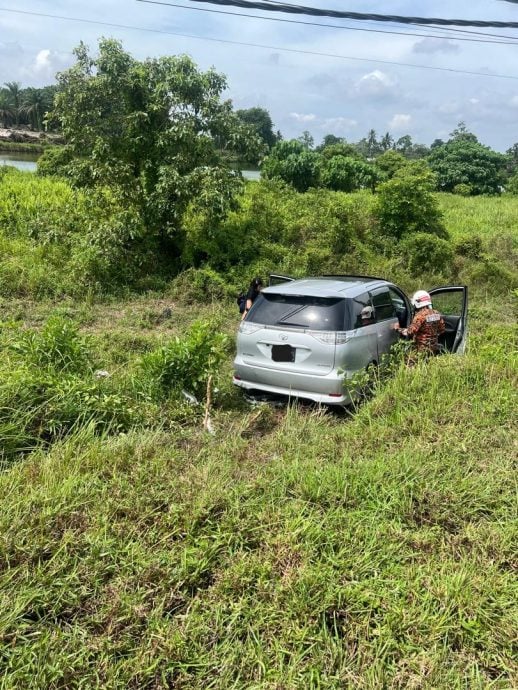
point(301, 91)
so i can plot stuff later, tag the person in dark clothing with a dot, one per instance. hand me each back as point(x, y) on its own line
point(427, 325)
point(256, 285)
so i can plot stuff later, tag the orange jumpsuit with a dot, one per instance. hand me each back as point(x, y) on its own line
point(425, 329)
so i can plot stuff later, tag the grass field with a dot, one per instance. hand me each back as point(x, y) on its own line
point(292, 549)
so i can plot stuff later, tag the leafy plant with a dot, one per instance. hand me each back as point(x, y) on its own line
point(185, 363)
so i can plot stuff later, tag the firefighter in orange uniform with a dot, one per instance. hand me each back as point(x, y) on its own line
point(427, 324)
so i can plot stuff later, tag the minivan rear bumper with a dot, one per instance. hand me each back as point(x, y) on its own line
point(322, 389)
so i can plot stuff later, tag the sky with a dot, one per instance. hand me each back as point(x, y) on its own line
point(323, 94)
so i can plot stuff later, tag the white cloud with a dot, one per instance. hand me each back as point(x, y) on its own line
point(303, 117)
point(435, 45)
point(376, 83)
point(400, 121)
point(339, 124)
point(42, 62)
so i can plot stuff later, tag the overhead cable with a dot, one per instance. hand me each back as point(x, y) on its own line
point(510, 40)
point(262, 45)
point(361, 16)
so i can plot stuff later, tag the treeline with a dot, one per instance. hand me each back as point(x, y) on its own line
point(141, 192)
point(461, 165)
point(25, 107)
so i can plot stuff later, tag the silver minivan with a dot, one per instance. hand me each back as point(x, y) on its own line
point(301, 338)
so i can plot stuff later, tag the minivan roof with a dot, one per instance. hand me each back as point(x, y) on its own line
point(326, 287)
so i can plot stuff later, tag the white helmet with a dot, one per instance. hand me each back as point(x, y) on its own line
point(421, 299)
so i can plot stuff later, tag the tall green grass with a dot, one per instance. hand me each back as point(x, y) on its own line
point(295, 550)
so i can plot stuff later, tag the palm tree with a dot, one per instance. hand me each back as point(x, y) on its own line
point(6, 112)
point(34, 107)
point(13, 90)
point(386, 141)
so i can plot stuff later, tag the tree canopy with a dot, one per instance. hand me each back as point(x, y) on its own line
point(260, 120)
point(151, 131)
point(464, 161)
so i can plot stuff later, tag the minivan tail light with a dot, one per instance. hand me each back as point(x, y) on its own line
point(248, 328)
point(330, 337)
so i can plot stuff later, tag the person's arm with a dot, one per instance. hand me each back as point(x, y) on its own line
point(415, 326)
point(248, 306)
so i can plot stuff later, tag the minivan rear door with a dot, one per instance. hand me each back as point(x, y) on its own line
point(295, 333)
point(452, 302)
point(386, 318)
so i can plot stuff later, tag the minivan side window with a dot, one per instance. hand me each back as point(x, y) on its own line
point(362, 311)
point(400, 306)
point(383, 306)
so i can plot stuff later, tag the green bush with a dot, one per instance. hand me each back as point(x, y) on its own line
point(57, 346)
point(425, 253)
point(406, 203)
point(48, 388)
point(470, 246)
point(184, 364)
point(200, 285)
point(462, 189)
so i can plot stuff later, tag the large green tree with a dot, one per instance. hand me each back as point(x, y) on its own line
point(260, 120)
point(463, 160)
point(151, 132)
point(294, 163)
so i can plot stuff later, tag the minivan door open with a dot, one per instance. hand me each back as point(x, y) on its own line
point(452, 303)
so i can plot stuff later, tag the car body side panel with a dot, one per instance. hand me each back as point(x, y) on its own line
point(359, 351)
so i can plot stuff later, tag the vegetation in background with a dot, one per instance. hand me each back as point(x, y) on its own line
point(151, 133)
point(290, 547)
point(29, 106)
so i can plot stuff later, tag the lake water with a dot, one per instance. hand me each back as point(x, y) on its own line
point(22, 161)
point(27, 161)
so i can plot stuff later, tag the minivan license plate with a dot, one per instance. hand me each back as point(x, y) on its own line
point(283, 353)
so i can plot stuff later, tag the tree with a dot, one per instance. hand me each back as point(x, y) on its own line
point(461, 133)
point(150, 132)
point(386, 142)
point(260, 120)
point(346, 174)
point(512, 159)
point(342, 149)
point(330, 140)
point(292, 162)
point(306, 139)
point(390, 162)
point(406, 203)
point(372, 144)
point(436, 143)
point(404, 144)
point(13, 94)
point(464, 161)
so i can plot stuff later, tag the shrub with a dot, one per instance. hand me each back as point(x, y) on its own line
point(184, 364)
point(462, 189)
point(470, 246)
point(47, 389)
point(493, 274)
point(406, 203)
point(425, 253)
point(346, 174)
point(200, 285)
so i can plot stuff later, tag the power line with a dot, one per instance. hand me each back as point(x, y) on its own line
point(261, 45)
point(360, 16)
point(512, 41)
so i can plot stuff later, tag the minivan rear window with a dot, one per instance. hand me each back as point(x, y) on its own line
point(299, 311)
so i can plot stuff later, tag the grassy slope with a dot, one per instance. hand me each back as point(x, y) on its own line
point(292, 550)
point(489, 217)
